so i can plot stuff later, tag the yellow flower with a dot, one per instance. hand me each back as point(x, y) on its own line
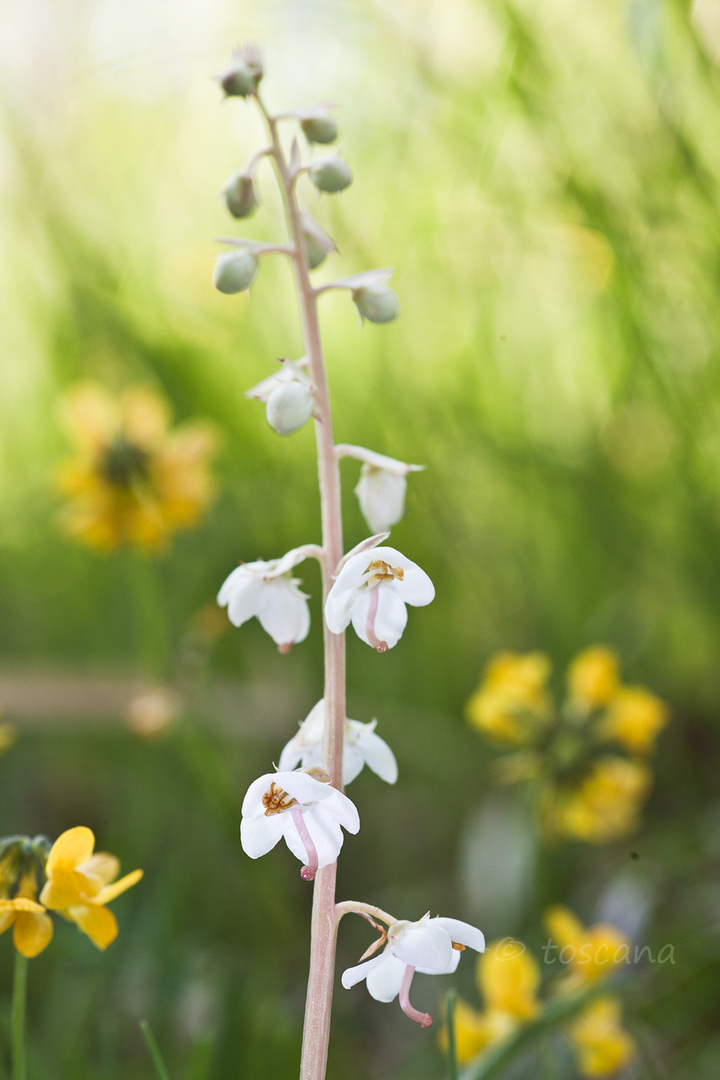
point(634, 718)
point(8, 736)
point(602, 1045)
point(605, 805)
point(593, 677)
point(132, 481)
point(512, 699)
point(508, 978)
point(79, 884)
point(590, 953)
point(32, 928)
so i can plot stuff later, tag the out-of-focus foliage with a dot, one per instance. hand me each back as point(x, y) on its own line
point(544, 178)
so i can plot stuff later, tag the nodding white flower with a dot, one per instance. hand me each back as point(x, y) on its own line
point(430, 946)
point(268, 591)
point(288, 396)
point(371, 591)
point(362, 747)
point(382, 486)
point(303, 808)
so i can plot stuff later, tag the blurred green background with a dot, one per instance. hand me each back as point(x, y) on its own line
point(545, 180)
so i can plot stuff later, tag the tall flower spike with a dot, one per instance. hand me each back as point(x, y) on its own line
point(362, 747)
point(268, 591)
point(371, 591)
point(430, 946)
point(307, 811)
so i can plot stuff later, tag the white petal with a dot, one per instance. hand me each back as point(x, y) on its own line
point(291, 756)
point(425, 946)
point(390, 619)
point(339, 609)
point(378, 755)
point(452, 966)
point(344, 810)
point(283, 612)
point(462, 932)
point(258, 835)
point(381, 495)
point(241, 593)
point(385, 980)
point(353, 975)
point(416, 588)
point(353, 762)
point(325, 833)
point(306, 789)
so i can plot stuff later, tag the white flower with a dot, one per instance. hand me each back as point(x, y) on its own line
point(288, 395)
point(268, 591)
point(372, 590)
point(304, 810)
point(382, 486)
point(362, 747)
point(430, 946)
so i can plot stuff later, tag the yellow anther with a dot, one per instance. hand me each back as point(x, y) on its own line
point(382, 571)
point(276, 800)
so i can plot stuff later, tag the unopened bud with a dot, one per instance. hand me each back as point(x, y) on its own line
point(240, 195)
point(235, 271)
point(315, 254)
point(289, 406)
point(330, 175)
point(377, 303)
point(319, 129)
point(317, 242)
point(243, 75)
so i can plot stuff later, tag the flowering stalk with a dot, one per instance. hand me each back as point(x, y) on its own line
point(17, 1014)
point(316, 1030)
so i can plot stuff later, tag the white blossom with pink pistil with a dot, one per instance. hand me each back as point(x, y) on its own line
point(304, 810)
point(362, 747)
point(371, 591)
point(268, 591)
point(430, 946)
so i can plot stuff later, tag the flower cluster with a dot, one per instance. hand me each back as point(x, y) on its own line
point(509, 978)
point(69, 879)
point(588, 757)
point(132, 480)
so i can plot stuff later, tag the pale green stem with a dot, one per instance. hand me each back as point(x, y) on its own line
point(318, 1006)
point(450, 1001)
point(154, 1051)
point(358, 907)
point(17, 1016)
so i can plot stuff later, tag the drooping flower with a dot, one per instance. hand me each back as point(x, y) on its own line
point(429, 946)
point(508, 978)
point(288, 396)
point(132, 481)
point(79, 884)
point(371, 591)
point(268, 591)
point(381, 487)
point(362, 747)
point(303, 808)
point(601, 1043)
point(512, 703)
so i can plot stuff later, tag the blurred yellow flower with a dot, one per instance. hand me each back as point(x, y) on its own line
point(593, 677)
point(634, 718)
point(604, 806)
point(32, 927)
point(8, 736)
point(132, 481)
point(151, 715)
point(79, 884)
point(512, 701)
point(508, 978)
point(601, 1044)
point(590, 953)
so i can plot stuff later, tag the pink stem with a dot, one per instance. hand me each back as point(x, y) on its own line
point(423, 1019)
point(308, 872)
point(374, 640)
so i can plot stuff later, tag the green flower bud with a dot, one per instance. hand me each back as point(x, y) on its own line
point(330, 175)
point(319, 129)
point(315, 254)
point(289, 406)
point(377, 303)
point(317, 242)
point(243, 75)
point(240, 195)
point(235, 271)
